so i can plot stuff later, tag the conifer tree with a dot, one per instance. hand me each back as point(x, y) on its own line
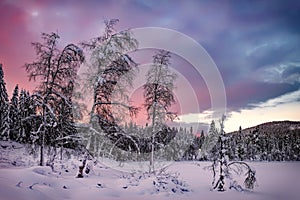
point(4, 108)
point(14, 115)
point(222, 168)
point(27, 112)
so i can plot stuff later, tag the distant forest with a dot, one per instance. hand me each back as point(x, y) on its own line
point(273, 141)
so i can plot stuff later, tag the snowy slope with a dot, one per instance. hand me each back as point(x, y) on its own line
point(182, 180)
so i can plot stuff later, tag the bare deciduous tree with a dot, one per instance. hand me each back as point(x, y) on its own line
point(158, 93)
point(56, 70)
point(110, 74)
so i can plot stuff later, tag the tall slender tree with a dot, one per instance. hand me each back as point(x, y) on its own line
point(110, 74)
point(22, 113)
point(14, 115)
point(221, 159)
point(158, 94)
point(27, 111)
point(56, 70)
point(4, 105)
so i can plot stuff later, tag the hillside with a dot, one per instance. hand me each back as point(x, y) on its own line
point(271, 127)
point(272, 141)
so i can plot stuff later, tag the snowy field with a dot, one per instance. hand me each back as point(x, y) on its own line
point(20, 179)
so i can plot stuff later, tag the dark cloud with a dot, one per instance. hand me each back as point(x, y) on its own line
point(265, 13)
point(292, 74)
point(270, 54)
point(259, 35)
point(247, 93)
point(291, 70)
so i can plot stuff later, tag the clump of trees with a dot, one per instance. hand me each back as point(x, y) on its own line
point(47, 116)
point(275, 141)
point(16, 116)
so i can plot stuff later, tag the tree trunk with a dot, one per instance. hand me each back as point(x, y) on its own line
point(42, 150)
point(153, 129)
point(153, 139)
point(152, 154)
point(61, 151)
point(81, 168)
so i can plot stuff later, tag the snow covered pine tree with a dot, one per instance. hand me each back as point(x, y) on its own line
point(14, 116)
point(214, 144)
point(4, 106)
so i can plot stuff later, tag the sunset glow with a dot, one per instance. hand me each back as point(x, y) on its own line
point(255, 46)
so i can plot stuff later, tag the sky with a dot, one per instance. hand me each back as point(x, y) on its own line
point(255, 45)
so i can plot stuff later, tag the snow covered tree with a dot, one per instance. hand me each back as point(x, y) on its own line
point(158, 94)
point(26, 111)
point(67, 132)
point(56, 70)
point(4, 107)
point(222, 168)
point(110, 73)
point(220, 159)
point(14, 116)
point(208, 148)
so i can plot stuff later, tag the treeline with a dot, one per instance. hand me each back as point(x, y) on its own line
point(268, 142)
point(100, 146)
point(17, 115)
point(274, 141)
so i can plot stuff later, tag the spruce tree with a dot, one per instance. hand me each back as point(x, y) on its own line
point(27, 111)
point(15, 121)
point(65, 124)
point(23, 114)
point(4, 108)
point(221, 167)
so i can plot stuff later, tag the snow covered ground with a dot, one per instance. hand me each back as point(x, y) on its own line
point(20, 178)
